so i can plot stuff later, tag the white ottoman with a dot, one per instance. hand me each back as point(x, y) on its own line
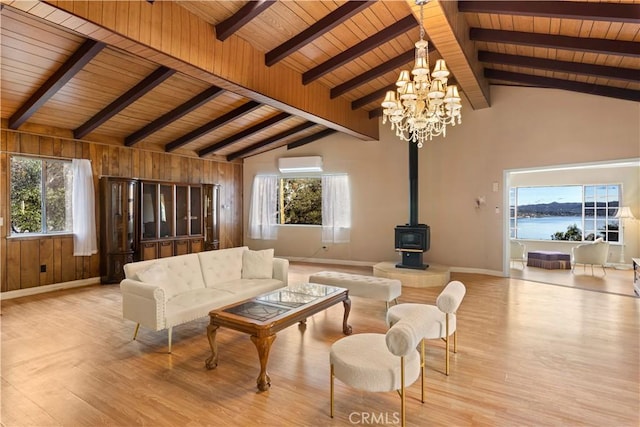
point(378, 288)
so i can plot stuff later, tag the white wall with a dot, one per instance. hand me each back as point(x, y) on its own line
point(524, 128)
point(379, 184)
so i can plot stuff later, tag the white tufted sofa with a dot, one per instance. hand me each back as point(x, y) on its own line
point(162, 293)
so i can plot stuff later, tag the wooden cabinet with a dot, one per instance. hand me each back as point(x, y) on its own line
point(148, 250)
point(181, 247)
point(172, 218)
point(117, 227)
point(165, 248)
point(196, 245)
point(143, 220)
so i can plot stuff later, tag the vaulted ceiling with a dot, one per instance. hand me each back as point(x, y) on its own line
point(230, 79)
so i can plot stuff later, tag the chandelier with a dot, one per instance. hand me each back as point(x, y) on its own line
point(422, 108)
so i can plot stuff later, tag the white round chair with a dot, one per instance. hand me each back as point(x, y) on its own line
point(439, 320)
point(379, 362)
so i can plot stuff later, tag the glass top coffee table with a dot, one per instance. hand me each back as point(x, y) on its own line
point(263, 316)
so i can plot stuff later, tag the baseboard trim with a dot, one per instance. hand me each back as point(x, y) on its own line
point(330, 261)
point(477, 271)
point(49, 288)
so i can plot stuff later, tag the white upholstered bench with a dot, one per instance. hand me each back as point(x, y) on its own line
point(378, 288)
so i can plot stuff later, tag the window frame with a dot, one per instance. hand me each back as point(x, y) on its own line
point(280, 178)
point(44, 229)
point(607, 220)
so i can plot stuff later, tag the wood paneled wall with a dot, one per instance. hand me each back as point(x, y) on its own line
point(21, 258)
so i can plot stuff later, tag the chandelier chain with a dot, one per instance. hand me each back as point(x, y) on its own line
point(421, 22)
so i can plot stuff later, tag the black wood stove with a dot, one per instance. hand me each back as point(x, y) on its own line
point(412, 239)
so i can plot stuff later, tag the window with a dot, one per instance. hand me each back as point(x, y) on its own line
point(300, 201)
point(324, 201)
point(570, 212)
point(601, 203)
point(41, 192)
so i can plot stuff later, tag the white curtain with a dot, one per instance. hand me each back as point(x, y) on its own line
point(336, 209)
point(263, 208)
point(83, 203)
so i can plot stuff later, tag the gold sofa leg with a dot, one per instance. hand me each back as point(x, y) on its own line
point(135, 333)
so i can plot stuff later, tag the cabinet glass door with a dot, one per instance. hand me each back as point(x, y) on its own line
point(211, 214)
point(121, 209)
point(166, 211)
point(149, 212)
point(182, 210)
point(196, 210)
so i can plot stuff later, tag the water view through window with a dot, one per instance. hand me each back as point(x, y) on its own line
point(570, 212)
point(544, 228)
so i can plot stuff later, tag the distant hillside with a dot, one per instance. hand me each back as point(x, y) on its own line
point(556, 209)
point(551, 209)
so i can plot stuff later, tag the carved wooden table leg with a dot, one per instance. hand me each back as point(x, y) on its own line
point(346, 328)
point(263, 345)
point(212, 361)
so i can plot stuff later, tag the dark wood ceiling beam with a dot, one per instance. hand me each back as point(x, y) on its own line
point(612, 12)
point(128, 98)
point(243, 16)
point(610, 47)
point(212, 125)
point(389, 33)
point(85, 53)
point(308, 139)
point(207, 60)
point(380, 93)
point(271, 140)
point(243, 134)
point(540, 81)
point(373, 73)
point(375, 113)
point(626, 74)
point(316, 30)
point(173, 115)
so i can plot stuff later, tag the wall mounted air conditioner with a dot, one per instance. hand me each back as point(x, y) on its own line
point(300, 164)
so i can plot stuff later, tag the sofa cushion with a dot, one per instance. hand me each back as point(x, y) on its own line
point(159, 274)
point(248, 288)
point(222, 265)
point(184, 268)
point(257, 264)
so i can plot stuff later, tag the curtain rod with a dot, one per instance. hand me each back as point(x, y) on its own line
point(43, 156)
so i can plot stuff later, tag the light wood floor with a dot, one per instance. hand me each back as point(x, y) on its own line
point(529, 355)
point(611, 280)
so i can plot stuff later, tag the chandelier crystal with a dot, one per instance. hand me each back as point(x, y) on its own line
point(421, 108)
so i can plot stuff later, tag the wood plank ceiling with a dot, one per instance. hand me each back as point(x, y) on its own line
point(54, 75)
